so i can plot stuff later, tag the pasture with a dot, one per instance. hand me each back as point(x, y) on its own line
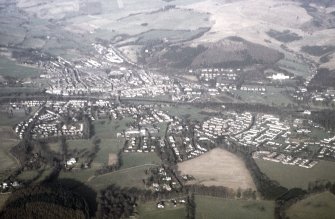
point(3, 199)
point(218, 167)
point(295, 176)
point(10, 68)
point(8, 140)
point(149, 210)
point(272, 96)
point(139, 159)
point(320, 205)
point(186, 112)
point(129, 177)
point(216, 208)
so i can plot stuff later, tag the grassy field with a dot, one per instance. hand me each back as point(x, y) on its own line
point(79, 144)
point(272, 96)
point(3, 199)
point(149, 210)
point(36, 175)
point(18, 116)
point(106, 147)
point(8, 140)
point(295, 176)
point(316, 206)
point(133, 166)
point(11, 69)
point(185, 111)
point(130, 177)
point(108, 129)
point(218, 168)
point(138, 159)
point(212, 207)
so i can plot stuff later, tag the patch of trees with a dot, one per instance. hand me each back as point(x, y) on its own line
point(45, 202)
point(317, 50)
point(325, 3)
point(323, 79)
point(234, 52)
point(295, 195)
point(31, 56)
point(115, 202)
point(182, 57)
point(190, 206)
point(286, 36)
point(325, 118)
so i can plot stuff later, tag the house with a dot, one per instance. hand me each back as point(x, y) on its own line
point(71, 161)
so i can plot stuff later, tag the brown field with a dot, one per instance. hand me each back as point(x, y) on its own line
point(249, 19)
point(112, 159)
point(218, 168)
point(191, 77)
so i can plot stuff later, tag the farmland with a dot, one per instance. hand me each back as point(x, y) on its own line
point(212, 207)
point(3, 198)
point(185, 111)
point(130, 177)
point(226, 170)
point(9, 68)
point(8, 162)
point(149, 210)
point(138, 159)
point(284, 174)
point(315, 206)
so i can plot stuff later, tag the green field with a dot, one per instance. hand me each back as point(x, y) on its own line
point(130, 177)
point(11, 69)
point(107, 146)
point(138, 159)
point(272, 96)
point(108, 129)
point(212, 207)
point(8, 161)
point(149, 210)
point(79, 144)
point(35, 175)
point(295, 176)
point(186, 111)
point(133, 166)
point(6, 120)
point(321, 206)
point(3, 199)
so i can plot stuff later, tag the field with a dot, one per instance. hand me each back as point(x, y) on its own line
point(35, 175)
point(139, 159)
point(8, 140)
point(272, 96)
point(129, 177)
point(315, 206)
point(249, 19)
point(218, 168)
point(133, 165)
point(3, 199)
point(149, 210)
point(215, 208)
point(112, 159)
point(185, 111)
point(294, 176)
point(10, 69)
